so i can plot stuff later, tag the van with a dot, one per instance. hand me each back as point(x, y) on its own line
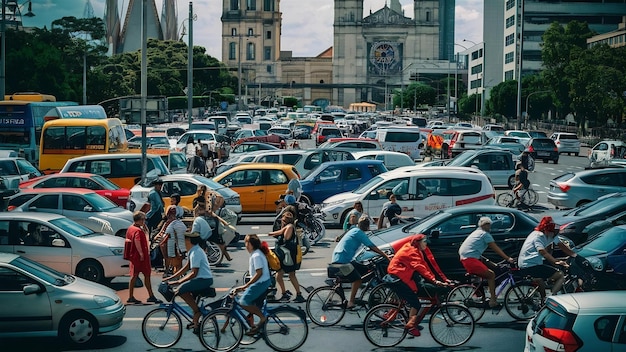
point(419, 191)
point(335, 177)
point(603, 152)
point(405, 140)
point(122, 169)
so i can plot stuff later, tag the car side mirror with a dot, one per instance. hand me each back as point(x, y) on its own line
point(374, 195)
point(435, 234)
point(318, 180)
point(88, 208)
point(32, 289)
point(57, 242)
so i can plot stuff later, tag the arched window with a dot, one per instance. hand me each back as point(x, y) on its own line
point(251, 5)
point(234, 4)
point(233, 32)
point(250, 32)
point(232, 51)
point(250, 51)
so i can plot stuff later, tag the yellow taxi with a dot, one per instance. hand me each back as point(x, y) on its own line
point(259, 184)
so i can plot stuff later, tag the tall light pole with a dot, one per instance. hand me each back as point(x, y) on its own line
point(402, 87)
point(3, 76)
point(520, 47)
point(190, 67)
point(527, 115)
point(456, 80)
point(144, 86)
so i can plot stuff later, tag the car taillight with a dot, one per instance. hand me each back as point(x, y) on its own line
point(531, 149)
point(612, 153)
point(556, 149)
point(567, 340)
point(565, 228)
point(564, 187)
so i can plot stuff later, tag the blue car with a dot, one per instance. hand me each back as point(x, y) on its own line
point(335, 177)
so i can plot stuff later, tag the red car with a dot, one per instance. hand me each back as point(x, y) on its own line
point(97, 183)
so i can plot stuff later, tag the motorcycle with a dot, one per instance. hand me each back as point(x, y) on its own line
point(585, 278)
point(309, 222)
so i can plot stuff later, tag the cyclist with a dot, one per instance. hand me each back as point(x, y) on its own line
point(347, 248)
point(198, 279)
point(472, 249)
point(534, 253)
point(405, 271)
point(259, 283)
point(521, 177)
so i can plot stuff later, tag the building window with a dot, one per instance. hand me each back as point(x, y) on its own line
point(250, 51)
point(510, 22)
point(251, 5)
point(269, 68)
point(427, 16)
point(510, 39)
point(477, 69)
point(232, 51)
point(268, 5)
point(509, 57)
point(267, 53)
point(250, 32)
point(476, 84)
point(508, 75)
point(234, 4)
point(475, 55)
point(510, 4)
point(268, 35)
point(233, 32)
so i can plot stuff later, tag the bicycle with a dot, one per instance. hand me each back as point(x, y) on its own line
point(162, 327)
point(326, 305)
point(450, 324)
point(521, 300)
point(223, 329)
point(528, 197)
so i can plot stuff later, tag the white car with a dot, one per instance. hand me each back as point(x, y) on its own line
point(284, 132)
point(419, 191)
point(84, 206)
point(392, 160)
point(62, 244)
point(31, 290)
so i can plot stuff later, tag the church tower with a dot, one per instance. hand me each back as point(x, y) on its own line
point(251, 38)
point(348, 44)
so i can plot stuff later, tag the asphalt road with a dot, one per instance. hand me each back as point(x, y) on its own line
point(494, 332)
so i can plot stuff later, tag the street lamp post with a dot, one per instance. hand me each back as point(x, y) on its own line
point(528, 97)
point(3, 44)
point(456, 80)
point(190, 67)
point(402, 87)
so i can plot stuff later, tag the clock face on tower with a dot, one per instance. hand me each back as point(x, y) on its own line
point(384, 57)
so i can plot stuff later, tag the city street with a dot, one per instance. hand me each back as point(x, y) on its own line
point(492, 332)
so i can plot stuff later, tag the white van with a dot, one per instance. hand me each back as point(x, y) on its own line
point(604, 151)
point(419, 191)
point(406, 140)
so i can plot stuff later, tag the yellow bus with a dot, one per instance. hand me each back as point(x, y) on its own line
point(30, 96)
point(77, 131)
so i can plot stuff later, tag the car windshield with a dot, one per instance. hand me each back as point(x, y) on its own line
point(177, 162)
point(598, 207)
point(209, 182)
point(99, 203)
point(462, 158)
point(73, 228)
point(28, 168)
point(43, 272)
point(104, 182)
point(368, 185)
point(606, 242)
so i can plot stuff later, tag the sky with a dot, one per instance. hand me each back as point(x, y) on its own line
point(307, 28)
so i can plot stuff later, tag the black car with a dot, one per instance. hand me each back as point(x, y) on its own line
point(447, 229)
point(543, 149)
point(573, 222)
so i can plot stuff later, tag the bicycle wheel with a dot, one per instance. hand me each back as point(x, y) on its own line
point(325, 306)
point(451, 325)
point(505, 199)
point(221, 331)
point(285, 329)
point(529, 198)
point(214, 253)
point(384, 325)
point(522, 300)
point(471, 297)
point(162, 328)
point(380, 294)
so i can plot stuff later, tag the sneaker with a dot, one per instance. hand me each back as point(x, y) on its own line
point(414, 332)
point(299, 298)
point(133, 300)
point(154, 300)
point(286, 297)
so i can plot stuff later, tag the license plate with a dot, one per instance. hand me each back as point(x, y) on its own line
point(543, 154)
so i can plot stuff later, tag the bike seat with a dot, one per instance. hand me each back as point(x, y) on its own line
point(208, 292)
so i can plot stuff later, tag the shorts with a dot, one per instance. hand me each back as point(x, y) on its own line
point(253, 292)
point(356, 274)
point(139, 266)
point(406, 293)
point(195, 285)
point(541, 271)
point(474, 266)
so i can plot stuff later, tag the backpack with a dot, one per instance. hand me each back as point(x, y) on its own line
point(272, 260)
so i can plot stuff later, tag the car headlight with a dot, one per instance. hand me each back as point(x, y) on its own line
point(232, 201)
point(596, 263)
point(117, 250)
point(103, 301)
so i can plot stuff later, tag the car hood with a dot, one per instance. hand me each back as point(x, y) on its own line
point(86, 287)
point(105, 240)
point(345, 197)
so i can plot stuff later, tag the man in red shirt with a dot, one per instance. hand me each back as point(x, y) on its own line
point(139, 257)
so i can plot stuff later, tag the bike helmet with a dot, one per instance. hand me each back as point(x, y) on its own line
point(290, 199)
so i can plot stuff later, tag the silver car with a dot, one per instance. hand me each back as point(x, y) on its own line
point(571, 190)
point(62, 244)
point(40, 301)
point(584, 321)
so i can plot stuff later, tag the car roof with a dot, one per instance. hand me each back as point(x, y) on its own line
point(350, 162)
point(7, 257)
point(112, 156)
point(262, 166)
point(69, 174)
point(43, 216)
point(57, 190)
point(376, 152)
point(416, 170)
point(598, 302)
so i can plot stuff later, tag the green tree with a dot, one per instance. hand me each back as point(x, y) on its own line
point(503, 99)
point(415, 95)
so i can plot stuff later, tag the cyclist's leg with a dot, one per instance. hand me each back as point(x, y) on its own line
point(355, 277)
point(406, 293)
point(249, 297)
point(185, 291)
point(478, 268)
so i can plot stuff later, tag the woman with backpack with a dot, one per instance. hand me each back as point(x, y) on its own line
point(287, 248)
